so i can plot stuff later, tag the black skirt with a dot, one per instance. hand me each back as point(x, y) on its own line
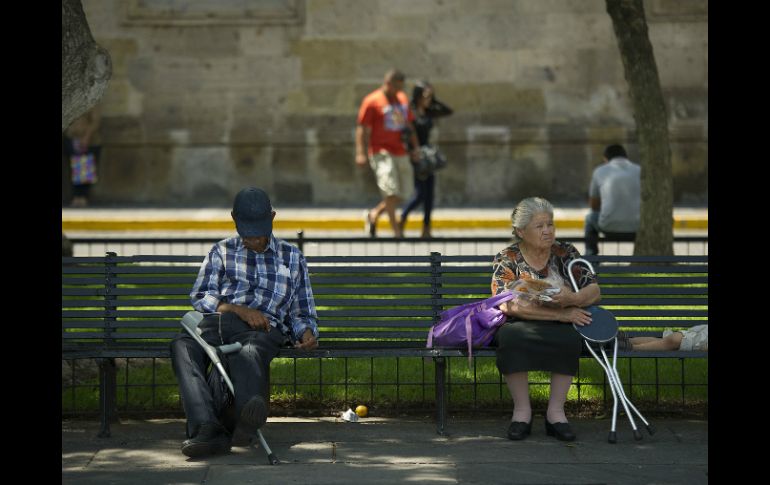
point(538, 345)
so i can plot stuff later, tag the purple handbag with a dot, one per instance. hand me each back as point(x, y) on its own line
point(474, 323)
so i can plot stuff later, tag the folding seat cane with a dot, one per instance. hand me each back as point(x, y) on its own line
point(190, 323)
point(604, 328)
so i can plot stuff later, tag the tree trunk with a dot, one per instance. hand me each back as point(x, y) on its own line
point(655, 235)
point(85, 67)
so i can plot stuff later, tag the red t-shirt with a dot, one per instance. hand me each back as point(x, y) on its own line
point(386, 120)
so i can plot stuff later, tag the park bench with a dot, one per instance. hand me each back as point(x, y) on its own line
point(368, 306)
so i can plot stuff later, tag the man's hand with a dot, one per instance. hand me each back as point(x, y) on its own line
point(253, 318)
point(308, 341)
point(361, 159)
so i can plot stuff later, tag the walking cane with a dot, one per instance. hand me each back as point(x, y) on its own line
point(190, 323)
point(603, 328)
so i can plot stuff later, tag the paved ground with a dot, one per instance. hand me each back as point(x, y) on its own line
point(391, 450)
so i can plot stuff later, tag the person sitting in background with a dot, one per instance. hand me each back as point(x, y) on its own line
point(614, 197)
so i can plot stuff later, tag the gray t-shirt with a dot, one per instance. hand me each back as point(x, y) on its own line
point(617, 184)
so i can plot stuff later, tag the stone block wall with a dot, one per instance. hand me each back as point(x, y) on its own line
point(209, 96)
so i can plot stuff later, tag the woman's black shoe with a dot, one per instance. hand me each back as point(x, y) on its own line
point(562, 431)
point(518, 430)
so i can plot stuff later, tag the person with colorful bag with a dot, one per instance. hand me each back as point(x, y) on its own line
point(538, 334)
point(82, 147)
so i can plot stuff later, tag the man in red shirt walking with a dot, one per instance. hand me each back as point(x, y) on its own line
point(383, 117)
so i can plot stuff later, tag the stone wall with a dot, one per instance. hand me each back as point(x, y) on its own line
point(210, 96)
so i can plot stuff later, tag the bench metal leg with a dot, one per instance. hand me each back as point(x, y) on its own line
point(440, 363)
point(107, 395)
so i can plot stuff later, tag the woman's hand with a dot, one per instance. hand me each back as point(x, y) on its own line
point(508, 307)
point(589, 295)
point(576, 315)
point(565, 298)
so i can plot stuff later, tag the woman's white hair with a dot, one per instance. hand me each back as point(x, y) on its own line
point(525, 210)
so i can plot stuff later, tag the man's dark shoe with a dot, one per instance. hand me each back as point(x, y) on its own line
point(212, 438)
point(253, 417)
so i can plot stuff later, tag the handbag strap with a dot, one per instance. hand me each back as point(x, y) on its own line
point(468, 336)
point(501, 297)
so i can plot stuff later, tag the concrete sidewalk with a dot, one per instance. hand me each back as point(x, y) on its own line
point(391, 450)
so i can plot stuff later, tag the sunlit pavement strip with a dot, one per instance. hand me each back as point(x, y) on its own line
point(391, 450)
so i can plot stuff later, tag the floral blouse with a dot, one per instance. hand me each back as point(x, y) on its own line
point(509, 266)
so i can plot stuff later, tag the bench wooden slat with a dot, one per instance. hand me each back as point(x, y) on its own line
point(345, 260)
point(320, 281)
point(354, 300)
point(368, 322)
point(325, 290)
point(153, 280)
point(663, 323)
point(117, 336)
point(383, 313)
point(406, 270)
point(120, 271)
point(608, 280)
point(668, 300)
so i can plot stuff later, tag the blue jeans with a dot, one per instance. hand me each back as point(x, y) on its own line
point(248, 369)
point(591, 234)
point(423, 194)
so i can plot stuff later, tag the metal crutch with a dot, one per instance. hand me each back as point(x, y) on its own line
point(603, 328)
point(190, 322)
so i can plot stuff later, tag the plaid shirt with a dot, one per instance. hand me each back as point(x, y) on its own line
point(275, 282)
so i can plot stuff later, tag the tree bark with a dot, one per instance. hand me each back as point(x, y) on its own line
point(85, 66)
point(655, 235)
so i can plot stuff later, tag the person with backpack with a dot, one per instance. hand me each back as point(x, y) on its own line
point(538, 335)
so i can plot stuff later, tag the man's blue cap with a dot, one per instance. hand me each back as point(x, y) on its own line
point(252, 212)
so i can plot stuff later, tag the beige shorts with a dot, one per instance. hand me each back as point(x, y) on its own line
point(394, 174)
point(695, 338)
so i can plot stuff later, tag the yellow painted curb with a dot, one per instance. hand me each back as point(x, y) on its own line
point(81, 224)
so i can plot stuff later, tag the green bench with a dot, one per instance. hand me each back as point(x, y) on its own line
point(368, 306)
